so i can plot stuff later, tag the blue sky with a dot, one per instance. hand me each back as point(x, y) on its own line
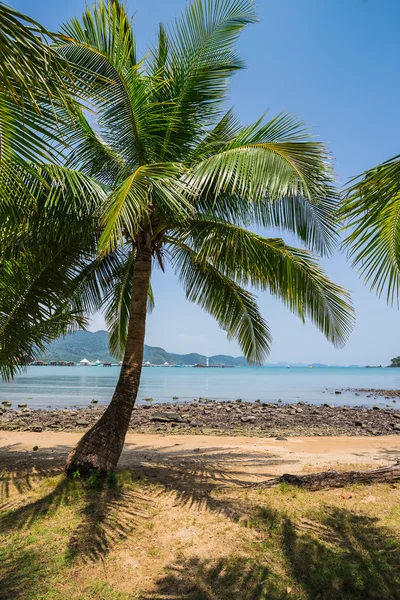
point(334, 64)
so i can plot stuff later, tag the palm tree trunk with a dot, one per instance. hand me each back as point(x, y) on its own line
point(101, 446)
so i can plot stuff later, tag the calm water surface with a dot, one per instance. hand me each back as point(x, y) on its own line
point(61, 387)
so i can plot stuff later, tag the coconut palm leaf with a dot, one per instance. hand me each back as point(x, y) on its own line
point(372, 209)
point(131, 204)
point(234, 308)
point(30, 69)
point(199, 62)
point(293, 275)
point(35, 84)
point(35, 301)
point(271, 160)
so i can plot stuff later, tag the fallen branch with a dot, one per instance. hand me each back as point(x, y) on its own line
point(334, 479)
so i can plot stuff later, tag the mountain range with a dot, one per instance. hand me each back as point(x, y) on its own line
point(94, 346)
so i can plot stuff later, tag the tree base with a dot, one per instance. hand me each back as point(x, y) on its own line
point(334, 479)
point(100, 448)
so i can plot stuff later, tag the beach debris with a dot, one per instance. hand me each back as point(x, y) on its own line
point(338, 392)
point(325, 480)
point(35, 448)
point(281, 439)
point(166, 417)
point(347, 495)
point(94, 401)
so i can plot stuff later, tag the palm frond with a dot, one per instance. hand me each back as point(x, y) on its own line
point(116, 299)
point(117, 302)
point(131, 204)
point(293, 275)
point(316, 224)
point(30, 69)
point(91, 155)
point(199, 58)
point(234, 308)
point(371, 207)
point(267, 162)
point(100, 49)
point(35, 303)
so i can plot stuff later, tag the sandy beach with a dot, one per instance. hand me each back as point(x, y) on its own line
point(219, 460)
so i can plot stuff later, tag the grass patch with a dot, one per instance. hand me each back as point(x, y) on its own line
point(129, 539)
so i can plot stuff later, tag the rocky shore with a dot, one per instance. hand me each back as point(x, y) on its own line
point(225, 418)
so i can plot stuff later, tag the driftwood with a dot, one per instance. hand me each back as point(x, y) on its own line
point(334, 479)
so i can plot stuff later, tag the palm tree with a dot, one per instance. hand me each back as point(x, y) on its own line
point(372, 208)
point(176, 180)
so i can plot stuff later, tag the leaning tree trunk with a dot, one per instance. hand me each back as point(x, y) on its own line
point(101, 446)
point(334, 479)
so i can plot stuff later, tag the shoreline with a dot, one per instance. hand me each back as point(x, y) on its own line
point(237, 418)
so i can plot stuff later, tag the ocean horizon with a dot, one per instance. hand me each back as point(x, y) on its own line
point(66, 387)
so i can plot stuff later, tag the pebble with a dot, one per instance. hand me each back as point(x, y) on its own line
point(215, 417)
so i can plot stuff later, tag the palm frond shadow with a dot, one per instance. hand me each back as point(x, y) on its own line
point(191, 477)
point(339, 556)
point(106, 513)
point(342, 554)
point(227, 579)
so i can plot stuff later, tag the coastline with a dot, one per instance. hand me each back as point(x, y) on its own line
point(237, 418)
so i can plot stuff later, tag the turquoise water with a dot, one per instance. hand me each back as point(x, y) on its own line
point(61, 387)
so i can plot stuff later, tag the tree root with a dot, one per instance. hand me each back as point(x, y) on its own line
point(333, 479)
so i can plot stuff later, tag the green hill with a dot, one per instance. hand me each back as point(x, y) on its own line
point(94, 346)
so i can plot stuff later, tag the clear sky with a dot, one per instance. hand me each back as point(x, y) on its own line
point(335, 64)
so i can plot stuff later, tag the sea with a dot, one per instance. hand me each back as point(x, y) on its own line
point(67, 387)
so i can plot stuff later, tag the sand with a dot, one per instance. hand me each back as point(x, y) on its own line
point(218, 461)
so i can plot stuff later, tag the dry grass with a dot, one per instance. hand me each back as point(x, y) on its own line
point(179, 539)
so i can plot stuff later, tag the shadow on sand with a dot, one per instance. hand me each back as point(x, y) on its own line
point(343, 556)
point(340, 555)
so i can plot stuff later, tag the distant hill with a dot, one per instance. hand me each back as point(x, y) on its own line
point(94, 346)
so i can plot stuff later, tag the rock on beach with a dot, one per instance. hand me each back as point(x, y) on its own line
point(265, 419)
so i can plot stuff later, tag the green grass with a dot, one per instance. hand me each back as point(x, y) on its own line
point(66, 540)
